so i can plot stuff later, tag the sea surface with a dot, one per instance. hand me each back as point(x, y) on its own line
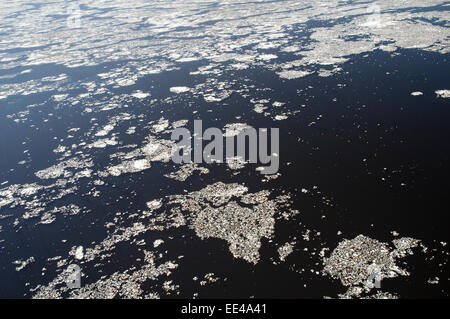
point(361, 101)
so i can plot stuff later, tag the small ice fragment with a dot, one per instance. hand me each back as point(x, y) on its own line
point(79, 254)
point(280, 117)
point(433, 281)
point(140, 94)
point(179, 89)
point(445, 94)
point(158, 242)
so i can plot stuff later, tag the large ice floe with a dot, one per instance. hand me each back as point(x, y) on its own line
point(224, 211)
point(354, 262)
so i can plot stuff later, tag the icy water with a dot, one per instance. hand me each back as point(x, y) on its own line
point(85, 171)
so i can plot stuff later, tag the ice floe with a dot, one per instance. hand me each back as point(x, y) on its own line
point(179, 89)
point(445, 94)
